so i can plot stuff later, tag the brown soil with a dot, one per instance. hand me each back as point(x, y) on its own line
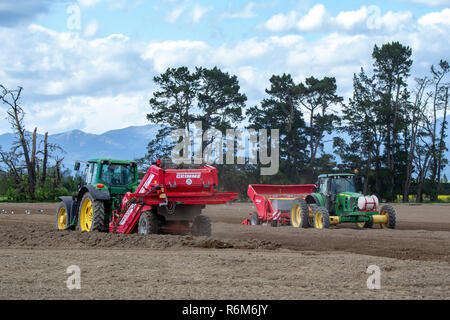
point(237, 262)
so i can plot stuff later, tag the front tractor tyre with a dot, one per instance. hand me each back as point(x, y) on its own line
point(148, 223)
point(62, 217)
point(201, 226)
point(389, 212)
point(321, 218)
point(91, 214)
point(300, 214)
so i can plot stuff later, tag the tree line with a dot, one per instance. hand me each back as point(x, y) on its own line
point(392, 132)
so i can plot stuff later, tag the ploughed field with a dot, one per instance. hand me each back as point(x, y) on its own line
point(237, 262)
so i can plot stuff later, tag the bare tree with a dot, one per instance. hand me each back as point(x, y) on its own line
point(440, 103)
point(415, 114)
point(15, 117)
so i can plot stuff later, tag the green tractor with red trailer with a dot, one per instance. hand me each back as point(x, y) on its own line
point(335, 201)
point(105, 182)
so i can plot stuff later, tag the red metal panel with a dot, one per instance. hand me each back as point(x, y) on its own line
point(260, 194)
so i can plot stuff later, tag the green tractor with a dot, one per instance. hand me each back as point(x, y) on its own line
point(337, 201)
point(105, 182)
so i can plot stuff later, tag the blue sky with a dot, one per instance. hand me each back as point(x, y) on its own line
point(98, 77)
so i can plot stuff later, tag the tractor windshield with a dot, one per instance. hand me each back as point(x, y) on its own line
point(117, 174)
point(343, 184)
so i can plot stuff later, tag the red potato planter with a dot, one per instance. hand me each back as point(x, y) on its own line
point(171, 201)
point(274, 203)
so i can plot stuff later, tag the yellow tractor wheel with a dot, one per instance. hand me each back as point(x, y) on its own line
point(300, 214)
point(91, 214)
point(62, 218)
point(321, 218)
point(390, 214)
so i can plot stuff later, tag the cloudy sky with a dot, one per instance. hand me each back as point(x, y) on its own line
point(89, 64)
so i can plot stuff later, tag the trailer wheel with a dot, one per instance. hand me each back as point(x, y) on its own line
point(148, 223)
point(300, 214)
point(91, 214)
point(321, 218)
point(201, 226)
point(388, 211)
point(62, 217)
point(254, 219)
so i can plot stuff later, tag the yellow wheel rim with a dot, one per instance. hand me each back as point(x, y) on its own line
point(360, 224)
point(318, 222)
point(296, 215)
point(86, 215)
point(62, 218)
point(386, 214)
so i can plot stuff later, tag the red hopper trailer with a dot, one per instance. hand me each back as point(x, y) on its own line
point(274, 202)
point(170, 201)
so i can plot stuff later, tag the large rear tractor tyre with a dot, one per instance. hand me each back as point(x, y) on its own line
point(91, 214)
point(388, 211)
point(62, 217)
point(201, 226)
point(254, 219)
point(321, 218)
point(148, 223)
point(300, 214)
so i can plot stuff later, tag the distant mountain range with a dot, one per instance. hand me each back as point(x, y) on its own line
point(128, 143)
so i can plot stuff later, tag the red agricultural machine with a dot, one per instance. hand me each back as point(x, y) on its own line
point(274, 203)
point(170, 201)
point(166, 200)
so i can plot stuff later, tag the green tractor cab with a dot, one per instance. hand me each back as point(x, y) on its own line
point(105, 182)
point(336, 200)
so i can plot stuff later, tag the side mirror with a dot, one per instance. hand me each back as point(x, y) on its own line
point(77, 166)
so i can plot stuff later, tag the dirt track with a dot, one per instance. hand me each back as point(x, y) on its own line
point(237, 262)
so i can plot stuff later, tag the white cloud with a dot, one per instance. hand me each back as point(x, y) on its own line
point(363, 20)
point(91, 29)
point(88, 3)
point(435, 19)
point(198, 12)
point(173, 15)
point(350, 19)
point(313, 20)
point(430, 2)
point(244, 13)
point(175, 53)
point(281, 22)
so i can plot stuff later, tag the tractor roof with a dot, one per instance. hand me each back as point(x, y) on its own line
point(336, 175)
point(112, 160)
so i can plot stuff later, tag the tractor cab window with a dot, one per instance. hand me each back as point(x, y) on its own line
point(91, 168)
point(323, 185)
point(117, 174)
point(343, 184)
